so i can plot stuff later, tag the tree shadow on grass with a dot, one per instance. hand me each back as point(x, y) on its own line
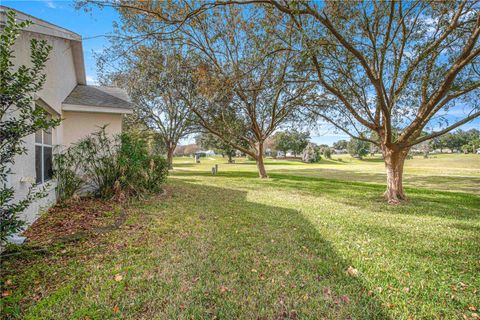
point(257, 261)
point(207, 252)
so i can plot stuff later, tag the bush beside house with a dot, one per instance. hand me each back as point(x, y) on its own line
point(105, 166)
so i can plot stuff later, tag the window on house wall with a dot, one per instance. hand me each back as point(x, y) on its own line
point(43, 155)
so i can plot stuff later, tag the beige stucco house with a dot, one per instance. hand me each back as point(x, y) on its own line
point(65, 95)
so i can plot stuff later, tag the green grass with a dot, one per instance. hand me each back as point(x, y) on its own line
point(234, 246)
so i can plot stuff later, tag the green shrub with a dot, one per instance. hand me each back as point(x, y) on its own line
point(69, 181)
point(139, 171)
point(327, 152)
point(358, 148)
point(317, 156)
point(120, 166)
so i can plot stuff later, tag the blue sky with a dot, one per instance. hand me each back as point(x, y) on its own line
point(94, 24)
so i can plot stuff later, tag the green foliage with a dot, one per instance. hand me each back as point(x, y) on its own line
point(19, 117)
point(467, 141)
point(140, 171)
point(327, 152)
point(294, 141)
point(340, 144)
point(358, 148)
point(109, 166)
point(66, 171)
point(211, 141)
point(317, 155)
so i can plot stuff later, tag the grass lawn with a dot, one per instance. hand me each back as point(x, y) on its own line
point(234, 246)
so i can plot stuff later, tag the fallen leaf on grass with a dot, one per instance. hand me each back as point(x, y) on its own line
point(224, 289)
point(472, 308)
point(345, 299)
point(116, 309)
point(118, 277)
point(6, 293)
point(327, 292)
point(351, 271)
point(406, 290)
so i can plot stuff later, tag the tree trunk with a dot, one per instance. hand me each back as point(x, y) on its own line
point(394, 161)
point(230, 157)
point(259, 160)
point(170, 151)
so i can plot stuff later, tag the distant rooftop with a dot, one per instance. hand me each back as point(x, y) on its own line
point(99, 96)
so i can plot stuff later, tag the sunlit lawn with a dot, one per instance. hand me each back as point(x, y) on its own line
point(234, 246)
point(457, 172)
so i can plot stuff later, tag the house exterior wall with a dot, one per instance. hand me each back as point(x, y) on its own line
point(60, 81)
point(80, 124)
point(61, 76)
point(64, 70)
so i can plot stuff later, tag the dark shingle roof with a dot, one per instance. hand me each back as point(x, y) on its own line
point(99, 96)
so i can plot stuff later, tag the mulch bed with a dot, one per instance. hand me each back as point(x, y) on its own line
point(76, 216)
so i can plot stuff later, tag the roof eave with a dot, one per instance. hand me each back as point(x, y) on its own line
point(40, 26)
point(95, 109)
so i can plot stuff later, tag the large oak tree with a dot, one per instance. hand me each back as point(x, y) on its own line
point(151, 73)
point(394, 68)
point(241, 62)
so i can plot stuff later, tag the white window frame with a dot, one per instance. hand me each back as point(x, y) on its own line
point(42, 146)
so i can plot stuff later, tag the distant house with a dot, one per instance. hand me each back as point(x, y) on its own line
point(65, 95)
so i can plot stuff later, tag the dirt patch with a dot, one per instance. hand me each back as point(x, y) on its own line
point(76, 216)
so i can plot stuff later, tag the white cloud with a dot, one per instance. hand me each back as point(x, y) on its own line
point(51, 4)
point(92, 80)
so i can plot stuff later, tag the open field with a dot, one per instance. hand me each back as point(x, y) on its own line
point(457, 172)
point(234, 246)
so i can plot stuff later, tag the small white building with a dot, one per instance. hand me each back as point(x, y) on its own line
point(65, 95)
point(205, 153)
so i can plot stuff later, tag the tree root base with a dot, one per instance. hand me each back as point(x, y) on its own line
point(395, 199)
